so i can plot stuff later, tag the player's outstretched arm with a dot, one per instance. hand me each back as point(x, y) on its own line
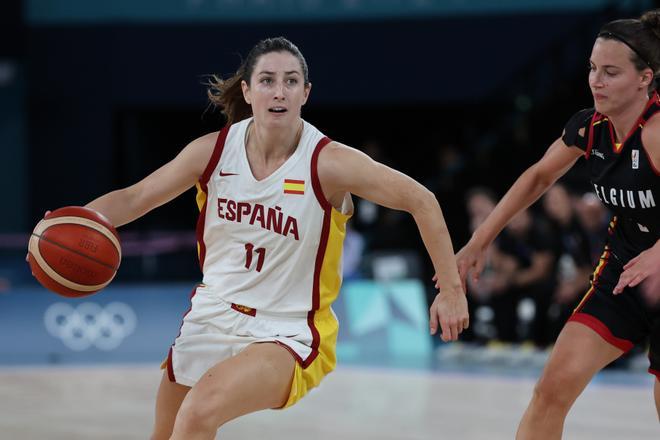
point(526, 190)
point(167, 182)
point(343, 169)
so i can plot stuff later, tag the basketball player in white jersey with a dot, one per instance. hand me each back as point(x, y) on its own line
point(274, 196)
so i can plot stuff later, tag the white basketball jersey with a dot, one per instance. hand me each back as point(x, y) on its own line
point(272, 245)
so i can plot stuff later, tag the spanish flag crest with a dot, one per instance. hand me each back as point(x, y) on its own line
point(292, 186)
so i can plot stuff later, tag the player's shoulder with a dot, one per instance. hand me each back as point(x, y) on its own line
point(198, 153)
point(582, 117)
point(336, 146)
point(575, 131)
point(335, 160)
point(651, 132)
point(653, 123)
point(337, 153)
point(206, 139)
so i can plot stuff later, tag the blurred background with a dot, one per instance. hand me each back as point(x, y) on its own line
point(462, 96)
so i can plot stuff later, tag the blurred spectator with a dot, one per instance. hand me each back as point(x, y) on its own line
point(594, 218)
point(480, 203)
point(521, 313)
point(447, 181)
point(367, 213)
point(498, 269)
point(572, 253)
point(382, 230)
point(449, 169)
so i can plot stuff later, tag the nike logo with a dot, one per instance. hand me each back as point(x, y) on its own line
point(227, 174)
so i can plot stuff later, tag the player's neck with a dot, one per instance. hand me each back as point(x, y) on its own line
point(268, 144)
point(624, 119)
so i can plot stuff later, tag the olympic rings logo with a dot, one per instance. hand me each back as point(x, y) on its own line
point(90, 324)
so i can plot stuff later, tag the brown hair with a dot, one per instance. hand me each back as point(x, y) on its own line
point(642, 36)
point(228, 95)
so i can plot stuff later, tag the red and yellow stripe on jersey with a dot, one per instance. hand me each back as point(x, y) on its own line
point(202, 193)
point(327, 282)
point(604, 258)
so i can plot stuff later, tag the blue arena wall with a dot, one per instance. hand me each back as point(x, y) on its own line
point(379, 322)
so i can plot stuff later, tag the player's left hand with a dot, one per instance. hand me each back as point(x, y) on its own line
point(449, 309)
point(639, 268)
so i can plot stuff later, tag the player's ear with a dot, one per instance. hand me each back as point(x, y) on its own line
point(646, 79)
point(308, 89)
point(246, 92)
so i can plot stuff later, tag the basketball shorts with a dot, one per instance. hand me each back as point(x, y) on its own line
point(214, 330)
point(623, 320)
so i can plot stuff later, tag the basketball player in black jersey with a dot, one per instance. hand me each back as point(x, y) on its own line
point(620, 139)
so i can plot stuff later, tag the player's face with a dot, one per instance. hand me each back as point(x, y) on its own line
point(614, 81)
point(277, 89)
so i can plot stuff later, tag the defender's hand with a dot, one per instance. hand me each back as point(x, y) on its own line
point(470, 260)
point(639, 268)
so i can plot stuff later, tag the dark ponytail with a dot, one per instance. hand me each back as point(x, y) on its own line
point(651, 20)
point(228, 95)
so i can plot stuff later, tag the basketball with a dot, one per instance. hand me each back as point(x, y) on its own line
point(74, 251)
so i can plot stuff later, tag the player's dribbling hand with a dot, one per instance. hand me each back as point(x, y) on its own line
point(449, 309)
point(639, 268)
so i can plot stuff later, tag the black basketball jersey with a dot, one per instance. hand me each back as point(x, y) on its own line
point(622, 175)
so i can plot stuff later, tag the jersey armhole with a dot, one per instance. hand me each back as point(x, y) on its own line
point(655, 170)
point(590, 139)
point(215, 157)
point(316, 182)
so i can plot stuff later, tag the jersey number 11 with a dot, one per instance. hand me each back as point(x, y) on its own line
point(249, 251)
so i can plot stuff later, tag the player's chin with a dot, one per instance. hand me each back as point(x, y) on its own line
point(600, 108)
point(606, 107)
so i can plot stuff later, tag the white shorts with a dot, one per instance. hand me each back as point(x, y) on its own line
point(214, 330)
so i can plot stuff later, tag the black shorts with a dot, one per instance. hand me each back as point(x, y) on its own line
point(622, 320)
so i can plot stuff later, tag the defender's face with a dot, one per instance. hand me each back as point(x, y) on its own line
point(277, 89)
point(614, 81)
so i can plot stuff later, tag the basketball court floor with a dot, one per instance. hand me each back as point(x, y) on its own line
point(354, 402)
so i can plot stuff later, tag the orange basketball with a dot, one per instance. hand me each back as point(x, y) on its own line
point(74, 251)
